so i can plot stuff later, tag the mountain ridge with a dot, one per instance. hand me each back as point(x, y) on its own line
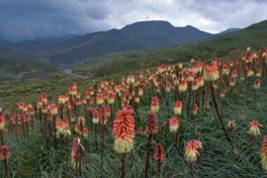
point(135, 36)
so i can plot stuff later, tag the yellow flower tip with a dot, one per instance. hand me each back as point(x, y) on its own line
point(254, 131)
point(95, 121)
point(211, 72)
point(177, 111)
point(173, 129)
point(155, 108)
point(123, 145)
point(191, 156)
point(263, 161)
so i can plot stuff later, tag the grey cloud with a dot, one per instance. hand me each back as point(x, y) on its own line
point(31, 19)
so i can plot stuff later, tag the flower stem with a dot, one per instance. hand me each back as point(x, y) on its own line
point(216, 107)
point(102, 146)
point(5, 161)
point(123, 156)
point(148, 154)
point(191, 170)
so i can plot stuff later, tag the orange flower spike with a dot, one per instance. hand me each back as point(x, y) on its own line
point(257, 84)
point(244, 56)
point(111, 98)
point(168, 87)
point(2, 122)
point(152, 123)
point(16, 129)
point(191, 151)
point(74, 85)
point(222, 93)
point(264, 153)
point(85, 131)
point(215, 60)
point(183, 86)
point(5, 154)
point(191, 76)
point(178, 108)
point(235, 92)
point(108, 111)
point(195, 109)
point(72, 118)
point(242, 77)
point(154, 104)
point(140, 131)
point(66, 120)
point(258, 74)
point(67, 131)
point(44, 97)
point(61, 99)
point(194, 84)
point(76, 144)
point(99, 99)
point(232, 81)
point(250, 73)
point(211, 72)
point(234, 73)
point(174, 124)
point(141, 75)
point(254, 129)
point(78, 95)
point(206, 104)
point(20, 104)
point(159, 152)
point(231, 125)
point(123, 131)
point(59, 126)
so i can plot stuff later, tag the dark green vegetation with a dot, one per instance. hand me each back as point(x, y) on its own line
point(14, 71)
point(218, 160)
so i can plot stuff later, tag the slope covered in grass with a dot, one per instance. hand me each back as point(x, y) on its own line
point(217, 160)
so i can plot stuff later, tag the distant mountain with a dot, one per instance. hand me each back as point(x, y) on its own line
point(42, 40)
point(139, 35)
point(229, 30)
point(219, 45)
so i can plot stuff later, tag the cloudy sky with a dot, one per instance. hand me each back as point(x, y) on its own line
point(30, 19)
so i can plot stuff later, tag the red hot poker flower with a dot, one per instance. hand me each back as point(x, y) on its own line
point(254, 129)
point(123, 131)
point(152, 123)
point(178, 108)
point(191, 151)
point(211, 72)
point(159, 152)
point(257, 84)
point(264, 153)
point(2, 122)
point(4, 152)
point(174, 124)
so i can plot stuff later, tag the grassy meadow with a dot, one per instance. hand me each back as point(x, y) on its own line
point(36, 151)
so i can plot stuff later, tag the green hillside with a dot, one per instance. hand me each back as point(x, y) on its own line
point(219, 46)
point(13, 71)
point(140, 35)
